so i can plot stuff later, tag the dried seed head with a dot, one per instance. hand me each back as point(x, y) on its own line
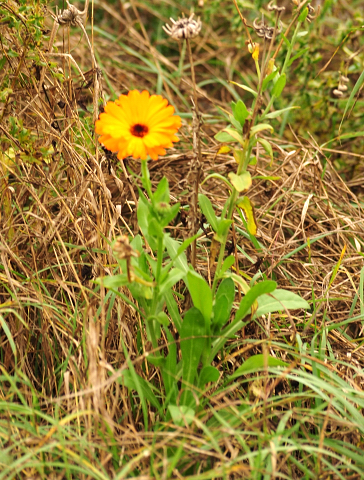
point(337, 93)
point(311, 13)
point(263, 31)
point(70, 16)
point(272, 7)
point(123, 248)
point(183, 28)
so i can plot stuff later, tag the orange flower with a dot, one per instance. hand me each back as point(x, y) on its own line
point(138, 124)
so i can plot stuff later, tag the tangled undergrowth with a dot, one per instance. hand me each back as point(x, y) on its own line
point(67, 407)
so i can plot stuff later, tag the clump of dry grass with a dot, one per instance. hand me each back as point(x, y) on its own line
point(64, 341)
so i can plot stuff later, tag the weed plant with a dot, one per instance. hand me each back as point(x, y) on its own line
point(199, 316)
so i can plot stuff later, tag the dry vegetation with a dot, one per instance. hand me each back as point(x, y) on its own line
point(64, 200)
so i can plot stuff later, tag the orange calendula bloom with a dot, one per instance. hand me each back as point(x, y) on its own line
point(138, 125)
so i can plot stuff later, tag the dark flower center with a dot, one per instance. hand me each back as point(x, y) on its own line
point(139, 130)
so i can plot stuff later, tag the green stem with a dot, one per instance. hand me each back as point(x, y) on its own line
point(146, 179)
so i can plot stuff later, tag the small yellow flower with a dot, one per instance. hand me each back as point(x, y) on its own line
point(138, 125)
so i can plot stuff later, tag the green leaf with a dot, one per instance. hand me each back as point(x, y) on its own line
point(278, 113)
point(224, 137)
point(223, 303)
point(268, 79)
point(223, 227)
point(245, 204)
point(137, 383)
point(278, 301)
point(236, 135)
point(181, 415)
point(173, 310)
point(192, 343)
point(201, 296)
point(208, 374)
point(228, 262)
point(267, 147)
point(303, 15)
point(161, 193)
point(241, 113)
point(279, 85)
point(257, 362)
point(155, 229)
point(259, 128)
point(246, 88)
point(169, 370)
point(179, 259)
point(208, 211)
point(353, 92)
point(169, 214)
point(174, 276)
point(113, 281)
point(256, 291)
point(241, 182)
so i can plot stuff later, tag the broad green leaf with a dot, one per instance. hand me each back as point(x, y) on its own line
point(257, 362)
point(235, 123)
point(224, 137)
point(279, 86)
point(161, 193)
point(236, 135)
point(222, 229)
point(154, 228)
point(278, 301)
point(245, 204)
point(241, 182)
point(223, 303)
point(267, 147)
point(145, 214)
point(208, 211)
point(241, 113)
point(192, 343)
point(260, 128)
point(208, 374)
point(181, 415)
point(249, 298)
point(228, 262)
point(169, 370)
point(201, 296)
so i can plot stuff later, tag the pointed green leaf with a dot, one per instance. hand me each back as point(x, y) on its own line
point(279, 86)
point(241, 113)
point(208, 211)
point(201, 296)
point(278, 301)
point(223, 303)
point(260, 128)
point(192, 343)
point(257, 362)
